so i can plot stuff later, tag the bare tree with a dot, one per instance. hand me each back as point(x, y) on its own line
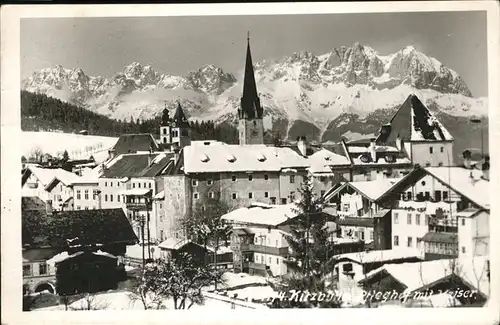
point(91, 302)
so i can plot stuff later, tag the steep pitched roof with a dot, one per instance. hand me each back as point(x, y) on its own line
point(137, 165)
point(413, 122)
point(372, 190)
point(48, 175)
point(130, 143)
point(180, 119)
point(250, 102)
point(92, 227)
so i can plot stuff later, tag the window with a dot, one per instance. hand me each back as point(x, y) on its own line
point(292, 178)
point(426, 220)
point(211, 195)
point(42, 268)
point(292, 196)
point(273, 200)
point(139, 185)
point(417, 219)
point(210, 182)
point(118, 198)
point(347, 267)
point(409, 218)
point(78, 207)
point(277, 261)
point(250, 195)
point(371, 234)
point(234, 196)
point(283, 201)
point(266, 177)
point(111, 197)
point(86, 195)
point(133, 185)
point(431, 150)
point(396, 240)
point(255, 240)
point(396, 218)
point(105, 184)
point(266, 194)
point(203, 208)
point(270, 261)
point(110, 184)
point(250, 177)
point(27, 270)
point(445, 195)
point(150, 185)
point(105, 198)
point(78, 195)
point(196, 195)
point(463, 222)
point(233, 178)
point(410, 241)
point(117, 184)
point(362, 233)
point(440, 164)
point(194, 182)
point(442, 149)
point(276, 243)
point(145, 184)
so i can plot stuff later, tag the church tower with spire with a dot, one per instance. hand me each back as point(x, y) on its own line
point(250, 113)
point(175, 133)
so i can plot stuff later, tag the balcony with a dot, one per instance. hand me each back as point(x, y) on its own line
point(255, 266)
point(139, 206)
point(279, 251)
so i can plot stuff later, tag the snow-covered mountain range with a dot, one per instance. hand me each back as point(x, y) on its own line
point(318, 93)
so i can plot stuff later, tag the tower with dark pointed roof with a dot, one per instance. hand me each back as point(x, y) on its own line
point(176, 131)
point(250, 113)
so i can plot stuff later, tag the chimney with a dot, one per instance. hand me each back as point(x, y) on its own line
point(399, 143)
point(176, 150)
point(471, 178)
point(302, 145)
point(467, 156)
point(486, 168)
point(372, 151)
point(111, 154)
point(150, 156)
point(48, 207)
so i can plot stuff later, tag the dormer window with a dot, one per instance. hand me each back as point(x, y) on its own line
point(261, 157)
point(231, 158)
point(204, 158)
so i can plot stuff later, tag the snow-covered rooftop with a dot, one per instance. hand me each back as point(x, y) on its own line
point(223, 157)
point(459, 179)
point(371, 189)
point(415, 275)
point(380, 255)
point(48, 175)
point(322, 159)
point(257, 214)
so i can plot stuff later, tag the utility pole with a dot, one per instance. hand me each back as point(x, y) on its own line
point(142, 235)
point(149, 231)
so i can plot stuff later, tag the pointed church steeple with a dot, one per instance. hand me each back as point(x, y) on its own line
point(180, 119)
point(250, 102)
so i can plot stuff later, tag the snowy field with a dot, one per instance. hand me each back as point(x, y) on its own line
point(78, 146)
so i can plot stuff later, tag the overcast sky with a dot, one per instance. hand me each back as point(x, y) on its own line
point(177, 45)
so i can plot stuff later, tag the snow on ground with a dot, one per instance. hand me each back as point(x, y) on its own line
point(78, 146)
point(122, 300)
point(241, 279)
point(135, 251)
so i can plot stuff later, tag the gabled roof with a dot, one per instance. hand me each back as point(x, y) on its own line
point(174, 243)
point(47, 175)
point(92, 227)
point(458, 179)
point(379, 255)
point(417, 276)
point(321, 160)
point(130, 143)
point(138, 165)
point(372, 190)
point(413, 122)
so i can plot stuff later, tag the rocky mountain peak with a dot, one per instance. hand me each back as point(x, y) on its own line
point(211, 79)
